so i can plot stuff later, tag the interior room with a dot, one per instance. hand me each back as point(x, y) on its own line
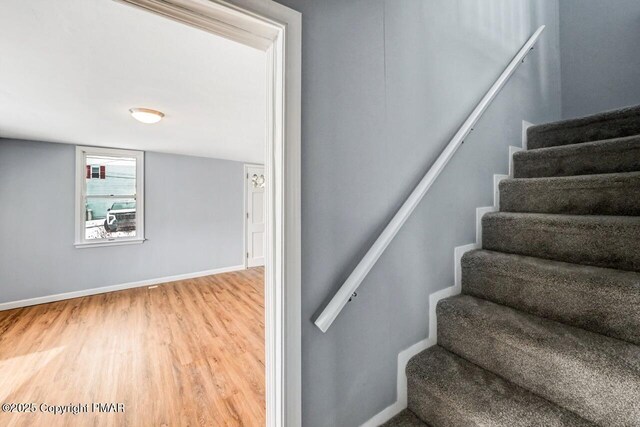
point(132, 259)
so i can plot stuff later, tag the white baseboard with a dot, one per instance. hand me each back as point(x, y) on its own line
point(404, 356)
point(95, 291)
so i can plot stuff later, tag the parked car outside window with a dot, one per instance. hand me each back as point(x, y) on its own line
point(121, 216)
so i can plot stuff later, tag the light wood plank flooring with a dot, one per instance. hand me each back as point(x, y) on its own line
point(187, 353)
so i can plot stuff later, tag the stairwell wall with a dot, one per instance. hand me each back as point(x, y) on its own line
point(600, 45)
point(385, 86)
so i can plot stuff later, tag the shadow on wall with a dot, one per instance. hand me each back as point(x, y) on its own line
point(600, 55)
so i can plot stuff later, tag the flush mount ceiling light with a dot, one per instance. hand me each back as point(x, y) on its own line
point(146, 115)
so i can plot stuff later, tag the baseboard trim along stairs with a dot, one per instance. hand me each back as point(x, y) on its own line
point(542, 326)
point(404, 356)
point(95, 291)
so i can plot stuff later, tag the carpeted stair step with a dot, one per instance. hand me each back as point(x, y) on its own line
point(608, 156)
point(446, 390)
point(602, 241)
point(601, 300)
point(593, 376)
point(608, 194)
point(611, 124)
point(405, 418)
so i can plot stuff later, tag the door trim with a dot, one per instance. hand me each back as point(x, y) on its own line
point(277, 30)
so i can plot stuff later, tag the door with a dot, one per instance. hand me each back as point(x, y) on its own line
point(254, 216)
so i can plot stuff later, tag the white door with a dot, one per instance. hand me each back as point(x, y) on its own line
point(254, 217)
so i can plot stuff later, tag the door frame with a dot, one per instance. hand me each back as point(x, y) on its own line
point(245, 228)
point(277, 30)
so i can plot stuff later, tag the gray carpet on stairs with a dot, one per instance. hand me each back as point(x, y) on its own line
point(601, 300)
point(405, 418)
point(547, 329)
point(447, 390)
point(598, 157)
point(607, 125)
point(573, 195)
point(602, 241)
point(592, 375)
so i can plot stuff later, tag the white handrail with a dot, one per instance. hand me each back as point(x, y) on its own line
point(354, 280)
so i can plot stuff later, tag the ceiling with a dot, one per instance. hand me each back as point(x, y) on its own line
point(71, 69)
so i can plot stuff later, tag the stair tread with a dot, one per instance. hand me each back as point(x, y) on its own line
point(594, 376)
point(600, 194)
point(577, 181)
point(547, 330)
point(449, 390)
point(598, 299)
point(605, 156)
point(405, 418)
point(561, 218)
point(598, 240)
point(610, 124)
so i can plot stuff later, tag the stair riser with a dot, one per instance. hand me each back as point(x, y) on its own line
point(588, 374)
point(429, 407)
point(610, 125)
point(446, 390)
point(546, 331)
point(600, 300)
point(405, 419)
point(597, 195)
point(574, 239)
point(582, 159)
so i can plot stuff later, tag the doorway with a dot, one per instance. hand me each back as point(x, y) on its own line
point(263, 25)
point(277, 30)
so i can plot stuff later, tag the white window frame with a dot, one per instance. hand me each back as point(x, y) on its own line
point(81, 193)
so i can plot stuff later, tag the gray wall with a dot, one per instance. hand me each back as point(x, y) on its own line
point(385, 86)
point(600, 45)
point(193, 222)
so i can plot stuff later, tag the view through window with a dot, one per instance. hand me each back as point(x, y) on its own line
point(109, 197)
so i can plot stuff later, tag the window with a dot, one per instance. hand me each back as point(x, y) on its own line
point(109, 197)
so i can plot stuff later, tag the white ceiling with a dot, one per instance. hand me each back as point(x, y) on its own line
point(71, 69)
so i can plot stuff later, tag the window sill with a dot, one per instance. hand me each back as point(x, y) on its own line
point(109, 243)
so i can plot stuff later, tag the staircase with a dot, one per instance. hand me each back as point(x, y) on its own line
point(547, 329)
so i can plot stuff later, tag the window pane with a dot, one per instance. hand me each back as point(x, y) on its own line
point(110, 218)
point(110, 176)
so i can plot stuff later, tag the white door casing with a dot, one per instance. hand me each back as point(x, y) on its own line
point(254, 214)
point(276, 29)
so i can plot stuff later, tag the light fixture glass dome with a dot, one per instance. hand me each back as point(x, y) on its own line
point(146, 115)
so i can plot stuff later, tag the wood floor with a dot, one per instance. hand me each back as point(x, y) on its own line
point(187, 353)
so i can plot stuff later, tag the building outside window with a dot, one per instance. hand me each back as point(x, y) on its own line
point(109, 197)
